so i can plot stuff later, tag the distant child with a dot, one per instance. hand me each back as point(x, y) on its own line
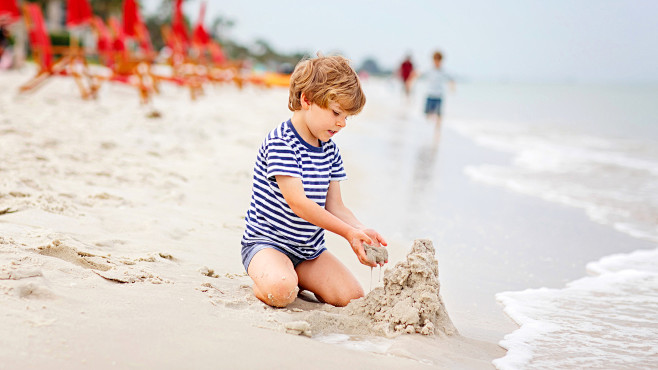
point(436, 81)
point(407, 74)
point(296, 193)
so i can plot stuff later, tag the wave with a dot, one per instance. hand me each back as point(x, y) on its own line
point(615, 181)
point(604, 321)
point(608, 319)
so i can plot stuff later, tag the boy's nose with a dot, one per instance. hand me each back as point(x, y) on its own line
point(341, 123)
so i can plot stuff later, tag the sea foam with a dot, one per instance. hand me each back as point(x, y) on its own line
point(604, 321)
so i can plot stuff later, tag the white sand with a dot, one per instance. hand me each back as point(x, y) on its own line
point(124, 248)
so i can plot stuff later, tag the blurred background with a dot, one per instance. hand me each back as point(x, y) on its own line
point(530, 41)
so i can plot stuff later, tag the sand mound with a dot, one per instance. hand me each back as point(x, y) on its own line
point(409, 302)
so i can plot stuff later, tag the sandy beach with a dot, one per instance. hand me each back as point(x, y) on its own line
point(123, 251)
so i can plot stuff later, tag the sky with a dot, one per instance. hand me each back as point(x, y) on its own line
point(512, 40)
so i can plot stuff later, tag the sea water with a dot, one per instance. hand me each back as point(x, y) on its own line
point(592, 148)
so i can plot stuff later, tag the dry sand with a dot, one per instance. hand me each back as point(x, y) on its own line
point(123, 251)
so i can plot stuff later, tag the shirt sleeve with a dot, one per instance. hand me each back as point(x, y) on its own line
point(337, 170)
point(281, 159)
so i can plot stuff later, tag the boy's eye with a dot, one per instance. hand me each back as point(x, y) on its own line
point(336, 114)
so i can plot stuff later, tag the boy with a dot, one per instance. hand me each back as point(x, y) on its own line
point(296, 193)
point(436, 80)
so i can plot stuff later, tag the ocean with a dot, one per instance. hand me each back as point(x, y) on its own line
point(594, 148)
point(588, 150)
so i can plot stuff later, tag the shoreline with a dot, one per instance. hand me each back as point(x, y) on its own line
point(501, 240)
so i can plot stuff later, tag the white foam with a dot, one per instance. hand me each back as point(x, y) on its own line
point(607, 321)
point(642, 261)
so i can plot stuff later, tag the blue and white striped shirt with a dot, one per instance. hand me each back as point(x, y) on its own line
point(269, 218)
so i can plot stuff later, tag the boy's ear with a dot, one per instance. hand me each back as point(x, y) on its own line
point(306, 104)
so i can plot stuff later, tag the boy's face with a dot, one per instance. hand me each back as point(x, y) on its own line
point(323, 123)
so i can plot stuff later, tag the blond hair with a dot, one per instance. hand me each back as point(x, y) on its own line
point(324, 80)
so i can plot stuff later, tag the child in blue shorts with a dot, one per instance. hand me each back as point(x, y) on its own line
point(436, 81)
point(296, 193)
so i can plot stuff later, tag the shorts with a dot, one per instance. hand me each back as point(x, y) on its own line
point(249, 251)
point(433, 105)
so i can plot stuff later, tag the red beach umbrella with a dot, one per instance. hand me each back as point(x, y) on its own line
point(178, 23)
point(131, 18)
point(38, 34)
point(200, 35)
point(77, 12)
point(9, 10)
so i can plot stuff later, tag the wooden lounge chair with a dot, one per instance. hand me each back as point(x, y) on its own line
point(70, 63)
point(127, 67)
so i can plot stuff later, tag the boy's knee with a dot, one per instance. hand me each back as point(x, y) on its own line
point(281, 293)
point(345, 297)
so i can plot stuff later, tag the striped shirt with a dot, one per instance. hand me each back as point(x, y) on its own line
point(269, 219)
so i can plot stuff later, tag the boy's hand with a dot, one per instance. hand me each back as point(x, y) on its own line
point(378, 240)
point(356, 238)
point(374, 235)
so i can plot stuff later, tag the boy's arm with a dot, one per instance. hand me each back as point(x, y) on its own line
point(336, 207)
point(293, 192)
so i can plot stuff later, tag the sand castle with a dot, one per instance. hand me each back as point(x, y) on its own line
point(409, 302)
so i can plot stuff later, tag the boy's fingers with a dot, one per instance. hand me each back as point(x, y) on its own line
point(361, 255)
point(358, 248)
point(368, 240)
point(367, 262)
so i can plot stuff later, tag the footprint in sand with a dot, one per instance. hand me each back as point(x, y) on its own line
point(119, 270)
point(232, 295)
point(21, 275)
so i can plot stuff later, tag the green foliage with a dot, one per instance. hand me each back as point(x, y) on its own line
point(63, 38)
point(60, 38)
point(106, 8)
point(154, 26)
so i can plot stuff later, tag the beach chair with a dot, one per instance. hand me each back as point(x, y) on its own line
point(70, 63)
point(125, 67)
point(206, 52)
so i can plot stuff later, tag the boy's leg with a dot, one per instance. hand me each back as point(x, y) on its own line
point(437, 127)
point(275, 280)
point(329, 279)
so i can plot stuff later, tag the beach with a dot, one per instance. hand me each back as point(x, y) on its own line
point(124, 248)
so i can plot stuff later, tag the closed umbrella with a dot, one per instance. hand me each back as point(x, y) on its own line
point(131, 18)
point(78, 12)
point(9, 12)
point(200, 35)
point(178, 23)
